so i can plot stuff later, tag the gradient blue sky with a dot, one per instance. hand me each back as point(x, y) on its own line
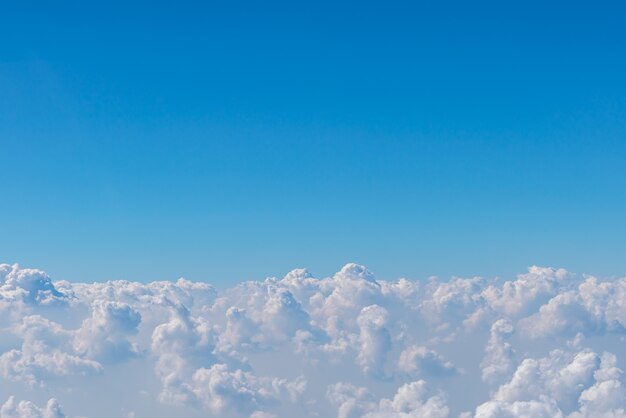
point(231, 140)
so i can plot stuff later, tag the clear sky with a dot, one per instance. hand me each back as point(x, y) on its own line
point(231, 140)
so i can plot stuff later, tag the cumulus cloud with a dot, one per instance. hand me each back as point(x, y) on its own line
point(412, 400)
point(237, 392)
point(582, 384)
point(27, 409)
point(546, 342)
point(499, 353)
point(45, 352)
point(374, 340)
point(28, 285)
point(419, 360)
point(104, 334)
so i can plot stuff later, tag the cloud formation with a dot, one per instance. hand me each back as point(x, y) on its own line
point(544, 343)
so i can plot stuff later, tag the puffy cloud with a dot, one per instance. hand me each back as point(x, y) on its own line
point(418, 360)
point(582, 384)
point(499, 360)
point(349, 345)
point(104, 335)
point(449, 303)
point(351, 401)
point(45, 352)
point(607, 396)
point(180, 346)
point(412, 400)
point(561, 375)
point(605, 301)
point(27, 409)
point(592, 307)
point(238, 392)
point(544, 407)
point(28, 285)
point(341, 298)
point(562, 315)
point(374, 339)
point(281, 316)
point(193, 372)
point(528, 291)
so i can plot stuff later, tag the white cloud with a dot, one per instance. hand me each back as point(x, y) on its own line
point(412, 400)
point(239, 393)
point(528, 291)
point(374, 340)
point(351, 401)
point(544, 343)
point(28, 285)
point(421, 361)
point(579, 384)
point(45, 352)
point(27, 409)
point(499, 360)
point(104, 335)
point(544, 407)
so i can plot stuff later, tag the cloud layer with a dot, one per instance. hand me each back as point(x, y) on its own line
point(547, 343)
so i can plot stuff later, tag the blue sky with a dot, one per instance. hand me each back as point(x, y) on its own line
point(224, 141)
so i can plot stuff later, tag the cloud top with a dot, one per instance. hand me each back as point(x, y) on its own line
point(544, 343)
